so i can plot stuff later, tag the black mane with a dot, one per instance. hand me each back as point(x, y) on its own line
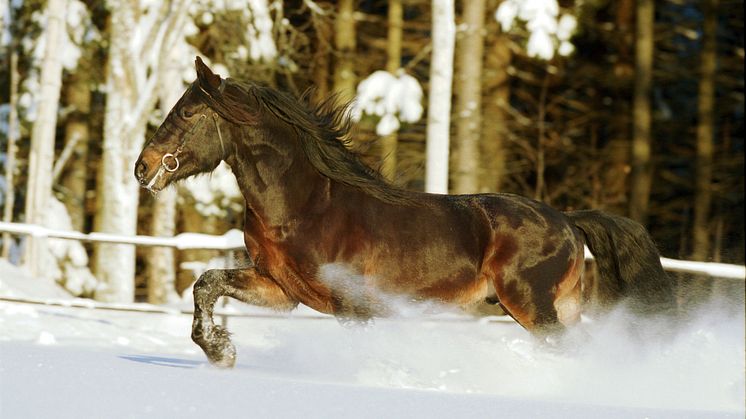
point(323, 131)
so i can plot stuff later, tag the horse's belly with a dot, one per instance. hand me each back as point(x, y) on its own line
point(358, 292)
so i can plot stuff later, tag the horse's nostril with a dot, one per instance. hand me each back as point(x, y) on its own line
point(141, 170)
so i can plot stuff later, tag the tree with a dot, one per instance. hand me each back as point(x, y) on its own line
point(393, 62)
point(614, 177)
point(705, 133)
point(321, 62)
point(77, 136)
point(160, 262)
point(139, 39)
point(469, 99)
point(496, 88)
point(641, 176)
point(12, 148)
point(439, 97)
point(345, 43)
point(41, 157)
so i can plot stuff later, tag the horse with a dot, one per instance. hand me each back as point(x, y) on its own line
point(323, 229)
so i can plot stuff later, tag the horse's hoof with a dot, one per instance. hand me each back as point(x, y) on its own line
point(224, 356)
point(217, 346)
point(227, 362)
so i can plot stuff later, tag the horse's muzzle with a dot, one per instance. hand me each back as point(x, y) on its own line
point(141, 170)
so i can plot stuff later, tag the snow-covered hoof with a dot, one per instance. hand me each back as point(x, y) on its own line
point(216, 344)
point(225, 357)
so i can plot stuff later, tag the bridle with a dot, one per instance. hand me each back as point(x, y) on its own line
point(168, 157)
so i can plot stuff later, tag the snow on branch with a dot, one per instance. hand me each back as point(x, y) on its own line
point(258, 33)
point(392, 98)
point(549, 31)
point(214, 195)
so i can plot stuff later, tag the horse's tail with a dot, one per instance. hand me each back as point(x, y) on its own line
point(627, 261)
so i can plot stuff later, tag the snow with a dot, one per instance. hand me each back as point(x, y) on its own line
point(259, 32)
point(547, 33)
point(392, 98)
point(566, 27)
point(259, 25)
point(506, 14)
point(540, 45)
point(69, 362)
point(215, 194)
point(68, 258)
point(78, 29)
point(4, 23)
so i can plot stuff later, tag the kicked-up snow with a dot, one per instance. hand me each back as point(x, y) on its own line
point(67, 362)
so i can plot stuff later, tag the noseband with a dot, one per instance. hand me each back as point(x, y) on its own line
point(174, 157)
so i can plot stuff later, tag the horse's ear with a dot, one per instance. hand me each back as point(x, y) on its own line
point(207, 79)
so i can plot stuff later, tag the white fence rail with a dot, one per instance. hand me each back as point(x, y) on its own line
point(233, 240)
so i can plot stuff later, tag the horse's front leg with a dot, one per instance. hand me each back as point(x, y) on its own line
point(247, 285)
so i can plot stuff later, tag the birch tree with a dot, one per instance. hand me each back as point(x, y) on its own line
point(439, 98)
point(41, 156)
point(140, 34)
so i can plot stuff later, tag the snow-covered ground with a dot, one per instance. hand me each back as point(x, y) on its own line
point(66, 362)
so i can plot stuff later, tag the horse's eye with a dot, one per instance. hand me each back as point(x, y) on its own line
point(186, 114)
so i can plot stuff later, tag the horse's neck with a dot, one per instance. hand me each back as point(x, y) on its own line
point(277, 183)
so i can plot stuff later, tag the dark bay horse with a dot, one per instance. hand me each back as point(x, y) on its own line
point(325, 230)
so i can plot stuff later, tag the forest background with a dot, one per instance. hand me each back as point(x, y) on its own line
point(631, 106)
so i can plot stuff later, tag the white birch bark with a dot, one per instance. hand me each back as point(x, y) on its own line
point(439, 100)
point(41, 156)
point(138, 42)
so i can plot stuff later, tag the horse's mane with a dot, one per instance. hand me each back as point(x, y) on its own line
point(323, 130)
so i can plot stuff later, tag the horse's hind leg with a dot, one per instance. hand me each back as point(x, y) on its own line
point(246, 285)
point(545, 300)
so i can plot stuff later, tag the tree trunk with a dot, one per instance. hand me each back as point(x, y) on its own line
point(494, 128)
point(393, 50)
point(160, 262)
point(41, 156)
point(321, 57)
point(78, 95)
point(540, 185)
point(469, 99)
point(705, 134)
point(641, 114)
point(615, 163)
point(131, 87)
point(439, 100)
point(12, 150)
point(345, 43)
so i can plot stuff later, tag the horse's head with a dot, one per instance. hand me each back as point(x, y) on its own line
point(190, 140)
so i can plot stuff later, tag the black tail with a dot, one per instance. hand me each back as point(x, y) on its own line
point(628, 262)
